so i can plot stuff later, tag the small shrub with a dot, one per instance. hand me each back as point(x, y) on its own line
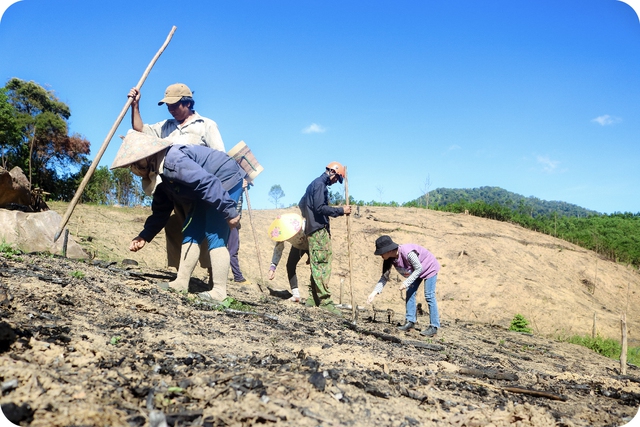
point(520, 324)
point(234, 304)
point(77, 274)
point(8, 250)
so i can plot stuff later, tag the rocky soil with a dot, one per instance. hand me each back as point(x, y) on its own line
point(103, 346)
point(97, 343)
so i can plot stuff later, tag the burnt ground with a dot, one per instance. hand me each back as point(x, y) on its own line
point(98, 344)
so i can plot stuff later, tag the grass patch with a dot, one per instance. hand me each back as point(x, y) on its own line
point(9, 251)
point(77, 274)
point(607, 347)
point(234, 304)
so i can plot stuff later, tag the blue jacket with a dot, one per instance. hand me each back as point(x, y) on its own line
point(314, 205)
point(193, 173)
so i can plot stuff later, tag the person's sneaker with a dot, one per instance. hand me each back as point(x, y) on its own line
point(294, 299)
point(407, 326)
point(240, 280)
point(431, 331)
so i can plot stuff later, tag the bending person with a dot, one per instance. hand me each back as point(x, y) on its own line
point(415, 264)
point(207, 180)
point(282, 230)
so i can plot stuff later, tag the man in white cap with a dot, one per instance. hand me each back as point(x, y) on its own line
point(187, 127)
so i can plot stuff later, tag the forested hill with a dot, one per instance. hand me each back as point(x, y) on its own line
point(532, 206)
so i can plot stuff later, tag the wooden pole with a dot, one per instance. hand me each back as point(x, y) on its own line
point(346, 190)
point(594, 330)
point(255, 238)
point(106, 141)
point(623, 351)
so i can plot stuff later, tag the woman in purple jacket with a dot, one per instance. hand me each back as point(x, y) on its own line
point(415, 263)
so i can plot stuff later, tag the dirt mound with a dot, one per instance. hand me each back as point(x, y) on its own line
point(97, 343)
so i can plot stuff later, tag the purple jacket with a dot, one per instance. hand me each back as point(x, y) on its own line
point(193, 173)
point(430, 265)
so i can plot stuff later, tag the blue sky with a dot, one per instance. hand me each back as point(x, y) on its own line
point(538, 97)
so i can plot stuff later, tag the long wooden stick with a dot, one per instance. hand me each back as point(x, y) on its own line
point(255, 238)
point(106, 141)
point(623, 351)
point(346, 190)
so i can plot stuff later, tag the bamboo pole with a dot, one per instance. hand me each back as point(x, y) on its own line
point(106, 141)
point(623, 351)
point(346, 190)
point(255, 238)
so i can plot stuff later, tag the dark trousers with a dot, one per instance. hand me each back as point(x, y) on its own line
point(295, 255)
point(234, 246)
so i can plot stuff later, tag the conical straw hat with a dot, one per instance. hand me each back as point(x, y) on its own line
point(137, 146)
point(285, 226)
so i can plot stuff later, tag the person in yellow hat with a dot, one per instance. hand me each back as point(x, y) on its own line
point(288, 227)
point(186, 127)
point(316, 211)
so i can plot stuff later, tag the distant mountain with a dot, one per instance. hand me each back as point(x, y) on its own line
point(491, 195)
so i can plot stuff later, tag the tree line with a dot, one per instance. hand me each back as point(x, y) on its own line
point(34, 136)
point(615, 236)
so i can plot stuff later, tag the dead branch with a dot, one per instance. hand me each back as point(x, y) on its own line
point(536, 393)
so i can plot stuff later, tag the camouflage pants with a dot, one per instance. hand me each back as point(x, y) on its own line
point(320, 256)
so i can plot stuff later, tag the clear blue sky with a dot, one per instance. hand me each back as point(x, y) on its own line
point(539, 97)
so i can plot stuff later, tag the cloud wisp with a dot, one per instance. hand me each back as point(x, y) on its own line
point(314, 128)
point(548, 165)
point(606, 120)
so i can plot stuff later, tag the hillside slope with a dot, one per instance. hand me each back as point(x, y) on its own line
point(99, 344)
point(491, 270)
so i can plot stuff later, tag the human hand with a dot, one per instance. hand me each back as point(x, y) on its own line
point(402, 286)
point(137, 244)
point(134, 94)
point(371, 297)
point(234, 222)
point(346, 209)
point(272, 274)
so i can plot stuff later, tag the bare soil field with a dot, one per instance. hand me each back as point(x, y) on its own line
point(97, 343)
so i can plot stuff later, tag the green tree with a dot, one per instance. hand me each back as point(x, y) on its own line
point(9, 130)
point(336, 198)
point(275, 194)
point(127, 187)
point(100, 187)
point(45, 150)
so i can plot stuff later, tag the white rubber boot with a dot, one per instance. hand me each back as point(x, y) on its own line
point(188, 259)
point(219, 272)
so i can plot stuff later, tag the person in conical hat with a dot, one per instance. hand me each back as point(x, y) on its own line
point(207, 180)
point(288, 227)
point(186, 127)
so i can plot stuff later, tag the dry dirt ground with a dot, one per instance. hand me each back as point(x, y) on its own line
point(96, 343)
